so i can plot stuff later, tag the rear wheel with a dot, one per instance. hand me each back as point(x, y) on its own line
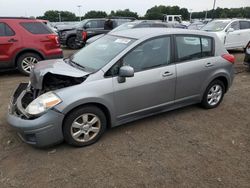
point(84, 126)
point(26, 61)
point(213, 95)
point(71, 43)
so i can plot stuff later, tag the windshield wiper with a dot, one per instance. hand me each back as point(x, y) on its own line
point(73, 63)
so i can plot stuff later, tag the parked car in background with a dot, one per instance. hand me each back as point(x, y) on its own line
point(125, 26)
point(88, 28)
point(233, 33)
point(109, 24)
point(121, 77)
point(196, 25)
point(24, 42)
point(247, 56)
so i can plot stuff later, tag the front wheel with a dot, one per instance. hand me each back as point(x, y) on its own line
point(84, 126)
point(213, 95)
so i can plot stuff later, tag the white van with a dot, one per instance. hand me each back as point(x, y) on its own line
point(234, 33)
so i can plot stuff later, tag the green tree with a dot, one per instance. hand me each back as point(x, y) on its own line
point(95, 14)
point(124, 13)
point(53, 16)
point(157, 12)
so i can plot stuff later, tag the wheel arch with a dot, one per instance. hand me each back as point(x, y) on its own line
point(27, 50)
point(98, 105)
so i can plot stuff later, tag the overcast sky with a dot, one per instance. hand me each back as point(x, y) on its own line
point(38, 7)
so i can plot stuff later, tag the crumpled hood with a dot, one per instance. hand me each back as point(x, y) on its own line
point(56, 66)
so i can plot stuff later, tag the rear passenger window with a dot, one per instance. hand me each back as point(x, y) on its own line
point(5, 30)
point(244, 25)
point(36, 28)
point(188, 48)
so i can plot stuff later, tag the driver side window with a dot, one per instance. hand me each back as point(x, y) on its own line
point(235, 25)
point(150, 54)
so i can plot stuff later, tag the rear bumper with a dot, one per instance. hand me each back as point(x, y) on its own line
point(42, 131)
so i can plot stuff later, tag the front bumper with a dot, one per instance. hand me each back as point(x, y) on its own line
point(247, 59)
point(42, 131)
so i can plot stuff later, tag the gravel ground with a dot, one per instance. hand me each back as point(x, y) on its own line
point(189, 147)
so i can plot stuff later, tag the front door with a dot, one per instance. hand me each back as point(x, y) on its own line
point(153, 86)
point(234, 38)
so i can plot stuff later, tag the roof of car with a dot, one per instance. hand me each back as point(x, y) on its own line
point(153, 32)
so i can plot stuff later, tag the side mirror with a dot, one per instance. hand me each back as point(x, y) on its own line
point(230, 30)
point(125, 72)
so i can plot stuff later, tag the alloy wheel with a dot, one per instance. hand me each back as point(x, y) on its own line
point(27, 63)
point(214, 95)
point(85, 128)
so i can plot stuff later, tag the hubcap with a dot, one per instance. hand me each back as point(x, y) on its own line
point(27, 63)
point(214, 95)
point(85, 128)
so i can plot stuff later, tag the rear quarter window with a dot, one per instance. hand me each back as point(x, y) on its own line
point(36, 27)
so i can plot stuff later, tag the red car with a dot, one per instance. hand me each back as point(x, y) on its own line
point(24, 42)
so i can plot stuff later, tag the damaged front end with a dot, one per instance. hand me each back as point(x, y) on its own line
point(32, 99)
point(25, 95)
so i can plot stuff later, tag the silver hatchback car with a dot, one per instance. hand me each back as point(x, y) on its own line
point(121, 77)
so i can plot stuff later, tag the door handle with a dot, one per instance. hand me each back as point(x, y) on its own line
point(209, 65)
point(165, 74)
point(12, 40)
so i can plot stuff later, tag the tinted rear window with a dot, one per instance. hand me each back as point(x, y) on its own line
point(36, 28)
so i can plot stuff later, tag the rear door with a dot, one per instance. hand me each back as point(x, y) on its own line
point(9, 43)
point(195, 61)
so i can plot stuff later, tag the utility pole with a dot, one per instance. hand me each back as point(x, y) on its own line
point(213, 9)
point(191, 15)
point(59, 16)
point(79, 9)
point(206, 15)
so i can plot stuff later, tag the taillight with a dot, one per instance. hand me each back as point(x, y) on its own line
point(53, 38)
point(84, 35)
point(230, 58)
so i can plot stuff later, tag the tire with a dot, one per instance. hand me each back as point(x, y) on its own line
point(212, 98)
point(71, 43)
point(25, 62)
point(78, 123)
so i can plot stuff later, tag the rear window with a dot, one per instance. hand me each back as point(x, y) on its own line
point(5, 30)
point(36, 27)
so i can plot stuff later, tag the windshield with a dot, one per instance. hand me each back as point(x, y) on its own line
point(80, 24)
point(215, 26)
point(125, 26)
point(99, 53)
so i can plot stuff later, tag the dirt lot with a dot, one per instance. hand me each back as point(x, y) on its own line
point(189, 147)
